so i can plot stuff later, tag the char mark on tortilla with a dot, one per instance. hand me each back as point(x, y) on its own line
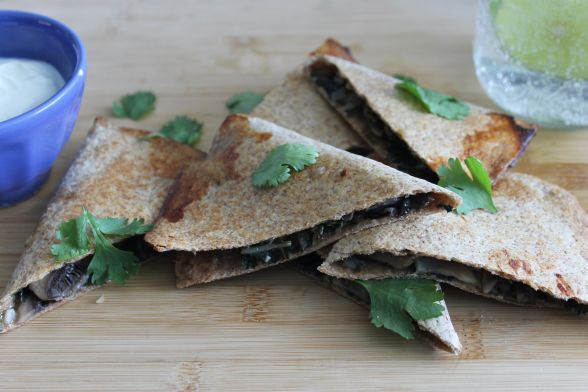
point(500, 143)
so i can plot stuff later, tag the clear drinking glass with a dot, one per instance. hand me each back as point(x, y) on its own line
point(531, 58)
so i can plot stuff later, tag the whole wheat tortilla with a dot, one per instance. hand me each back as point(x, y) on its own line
point(439, 332)
point(496, 139)
point(214, 205)
point(296, 105)
point(117, 173)
point(538, 238)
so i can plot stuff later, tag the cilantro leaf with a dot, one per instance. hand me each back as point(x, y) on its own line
point(405, 78)
point(118, 111)
point(475, 191)
point(435, 102)
point(134, 106)
point(111, 263)
point(121, 226)
point(108, 262)
point(275, 168)
point(74, 239)
point(396, 303)
point(243, 102)
point(182, 129)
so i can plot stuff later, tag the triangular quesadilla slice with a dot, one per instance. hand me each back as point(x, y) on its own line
point(215, 205)
point(296, 105)
point(117, 173)
point(533, 251)
point(398, 128)
point(438, 331)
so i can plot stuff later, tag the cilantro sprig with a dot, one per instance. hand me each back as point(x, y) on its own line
point(243, 102)
point(396, 303)
point(275, 168)
point(108, 262)
point(134, 106)
point(434, 102)
point(475, 190)
point(182, 129)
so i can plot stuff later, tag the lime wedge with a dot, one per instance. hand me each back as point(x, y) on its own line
point(548, 36)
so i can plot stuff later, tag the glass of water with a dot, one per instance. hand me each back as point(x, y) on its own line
point(531, 58)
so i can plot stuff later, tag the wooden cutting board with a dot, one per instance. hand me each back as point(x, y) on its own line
point(274, 330)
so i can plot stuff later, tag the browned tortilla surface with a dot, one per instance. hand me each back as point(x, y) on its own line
point(117, 173)
point(214, 205)
point(296, 105)
point(496, 139)
point(538, 237)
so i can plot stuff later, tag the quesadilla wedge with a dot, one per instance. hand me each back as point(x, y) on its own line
point(215, 206)
point(117, 173)
point(296, 105)
point(533, 251)
point(439, 331)
point(398, 129)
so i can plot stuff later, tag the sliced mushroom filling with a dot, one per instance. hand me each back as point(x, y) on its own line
point(61, 284)
point(277, 249)
point(353, 106)
point(470, 278)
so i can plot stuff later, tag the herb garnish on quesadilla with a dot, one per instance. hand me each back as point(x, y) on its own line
point(412, 140)
point(275, 168)
point(108, 262)
point(474, 189)
point(437, 330)
point(116, 174)
point(531, 252)
point(395, 303)
point(295, 104)
point(215, 206)
point(434, 102)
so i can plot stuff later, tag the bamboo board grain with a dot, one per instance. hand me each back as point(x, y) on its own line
point(274, 330)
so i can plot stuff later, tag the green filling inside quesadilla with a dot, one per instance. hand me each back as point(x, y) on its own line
point(278, 249)
point(356, 109)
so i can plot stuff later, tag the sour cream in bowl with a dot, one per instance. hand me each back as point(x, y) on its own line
point(42, 77)
point(25, 84)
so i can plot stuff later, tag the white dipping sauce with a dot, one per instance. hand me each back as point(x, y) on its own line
point(26, 84)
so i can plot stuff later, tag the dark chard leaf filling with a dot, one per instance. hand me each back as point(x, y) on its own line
point(277, 249)
point(362, 151)
point(480, 280)
point(343, 97)
point(348, 288)
point(62, 284)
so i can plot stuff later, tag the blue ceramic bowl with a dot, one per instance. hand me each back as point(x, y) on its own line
point(30, 142)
